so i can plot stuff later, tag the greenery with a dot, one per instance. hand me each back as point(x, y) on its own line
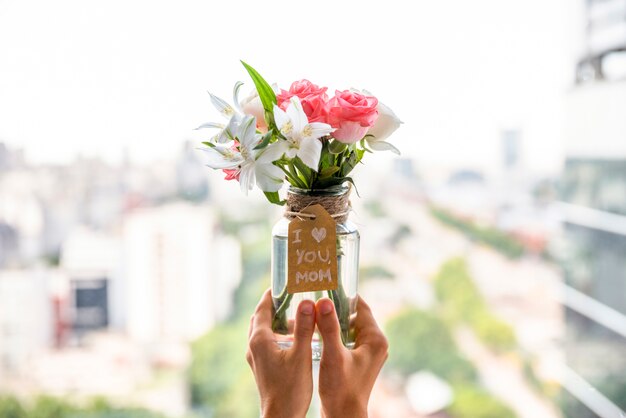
point(460, 302)
point(50, 407)
point(10, 407)
point(473, 402)
point(218, 371)
point(492, 237)
point(420, 341)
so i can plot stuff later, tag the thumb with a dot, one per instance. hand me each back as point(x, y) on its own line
point(304, 327)
point(328, 324)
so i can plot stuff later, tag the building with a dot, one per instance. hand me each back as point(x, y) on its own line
point(180, 271)
point(21, 219)
point(94, 294)
point(594, 215)
point(602, 48)
point(26, 324)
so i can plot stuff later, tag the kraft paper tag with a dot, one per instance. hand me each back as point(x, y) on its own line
point(312, 252)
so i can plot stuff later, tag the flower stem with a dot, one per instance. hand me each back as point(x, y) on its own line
point(343, 311)
point(340, 300)
point(279, 322)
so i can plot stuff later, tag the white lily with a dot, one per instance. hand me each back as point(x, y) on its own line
point(302, 136)
point(228, 130)
point(246, 160)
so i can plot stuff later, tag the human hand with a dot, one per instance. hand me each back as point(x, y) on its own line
point(348, 376)
point(283, 376)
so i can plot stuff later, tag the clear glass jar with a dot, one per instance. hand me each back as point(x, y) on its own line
point(344, 297)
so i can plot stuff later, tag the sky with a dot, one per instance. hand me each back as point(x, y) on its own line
point(99, 78)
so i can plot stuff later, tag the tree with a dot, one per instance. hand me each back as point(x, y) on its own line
point(420, 341)
point(50, 407)
point(461, 302)
point(472, 402)
point(218, 371)
point(10, 407)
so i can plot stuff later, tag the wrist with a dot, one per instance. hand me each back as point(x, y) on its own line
point(279, 410)
point(352, 409)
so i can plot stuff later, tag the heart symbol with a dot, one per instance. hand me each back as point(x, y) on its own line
point(318, 234)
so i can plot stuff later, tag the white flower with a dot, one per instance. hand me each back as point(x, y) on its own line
point(251, 105)
point(302, 137)
point(385, 125)
point(228, 130)
point(251, 169)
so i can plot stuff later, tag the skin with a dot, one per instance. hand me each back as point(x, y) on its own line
point(284, 376)
point(348, 376)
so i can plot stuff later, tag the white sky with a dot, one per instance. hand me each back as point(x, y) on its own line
point(97, 76)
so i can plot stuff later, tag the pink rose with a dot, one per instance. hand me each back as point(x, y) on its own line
point(352, 114)
point(312, 98)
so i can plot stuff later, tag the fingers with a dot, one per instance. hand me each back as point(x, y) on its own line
point(260, 335)
point(262, 316)
point(328, 326)
point(367, 331)
point(304, 327)
point(263, 313)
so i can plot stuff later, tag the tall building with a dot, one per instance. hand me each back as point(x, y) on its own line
point(594, 209)
point(180, 271)
point(25, 319)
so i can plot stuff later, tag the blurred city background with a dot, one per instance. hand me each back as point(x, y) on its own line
point(493, 250)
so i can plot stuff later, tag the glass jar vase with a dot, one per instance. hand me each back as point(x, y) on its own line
point(335, 201)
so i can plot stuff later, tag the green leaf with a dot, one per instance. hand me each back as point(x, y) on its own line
point(336, 147)
point(209, 144)
point(328, 171)
point(326, 158)
point(264, 141)
point(266, 93)
point(304, 169)
point(274, 198)
point(351, 162)
point(348, 164)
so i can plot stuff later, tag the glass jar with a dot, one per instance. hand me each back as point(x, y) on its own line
point(345, 296)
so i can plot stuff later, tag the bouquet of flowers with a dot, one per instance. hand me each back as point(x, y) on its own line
point(313, 142)
point(298, 135)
